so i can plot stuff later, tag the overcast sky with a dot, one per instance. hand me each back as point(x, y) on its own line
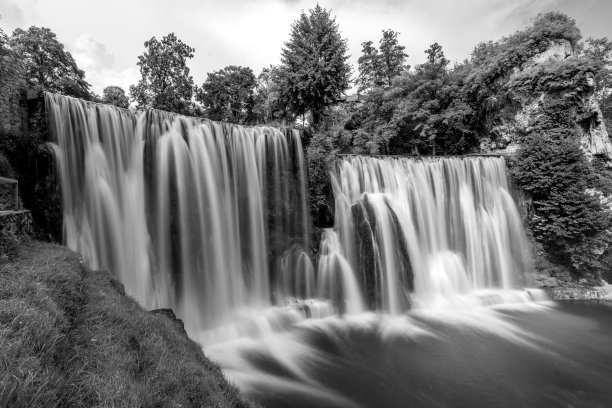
point(106, 36)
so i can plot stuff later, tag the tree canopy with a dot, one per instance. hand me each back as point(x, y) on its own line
point(228, 94)
point(165, 82)
point(115, 95)
point(378, 67)
point(48, 65)
point(314, 71)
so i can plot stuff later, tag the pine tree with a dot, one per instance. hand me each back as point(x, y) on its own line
point(314, 71)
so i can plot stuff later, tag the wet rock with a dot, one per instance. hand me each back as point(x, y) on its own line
point(367, 250)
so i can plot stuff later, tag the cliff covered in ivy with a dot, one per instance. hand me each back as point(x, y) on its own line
point(539, 96)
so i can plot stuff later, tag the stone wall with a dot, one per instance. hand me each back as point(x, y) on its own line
point(13, 110)
point(16, 222)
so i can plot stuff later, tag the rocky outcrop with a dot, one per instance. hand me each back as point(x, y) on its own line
point(368, 238)
point(558, 49)
point(568, 289)
point(510, 125)
point(594, 140)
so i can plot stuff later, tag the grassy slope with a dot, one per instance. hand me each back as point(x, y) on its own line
point(70, 337)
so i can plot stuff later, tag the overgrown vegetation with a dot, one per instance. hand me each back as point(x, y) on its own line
point(71, 338)
point(567, 218)
point(439, 109)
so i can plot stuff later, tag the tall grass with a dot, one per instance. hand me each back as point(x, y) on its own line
point(71, 338)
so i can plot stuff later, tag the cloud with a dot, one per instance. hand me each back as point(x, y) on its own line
point(92, 56)
point(12, 14)
point(91, 53)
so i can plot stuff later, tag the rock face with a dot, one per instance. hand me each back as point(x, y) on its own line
point(558, 49)
point(368, 239)
point(594, 140)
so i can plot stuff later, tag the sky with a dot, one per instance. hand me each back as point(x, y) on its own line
point(106, 36)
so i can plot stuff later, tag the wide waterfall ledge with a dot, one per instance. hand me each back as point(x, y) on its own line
point(212, 220)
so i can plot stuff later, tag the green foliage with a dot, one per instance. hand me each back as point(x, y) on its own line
point(553, 76)
point(421, 112)
point(115, 95)
point(48, 65)
point(4, 43)
point(268, 107)
point(369, 67)
point(568, 219)
point(321, 155)
point(314, 70)
point(493, 62)
point(165, 82)
point(228, 95)
point(72, 338)
point(378, 67)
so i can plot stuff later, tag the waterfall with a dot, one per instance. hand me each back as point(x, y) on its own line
point(202, 217)
point(428, 230)
point(212, 220)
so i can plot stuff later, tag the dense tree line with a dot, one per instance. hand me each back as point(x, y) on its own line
point(433, 108)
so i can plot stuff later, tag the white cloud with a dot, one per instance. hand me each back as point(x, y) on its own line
point(98, 63)
point(251, 33)
point(12, 15)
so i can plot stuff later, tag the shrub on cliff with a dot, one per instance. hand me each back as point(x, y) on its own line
point(567, 218)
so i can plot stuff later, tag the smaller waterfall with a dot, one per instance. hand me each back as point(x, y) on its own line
point(427, 230)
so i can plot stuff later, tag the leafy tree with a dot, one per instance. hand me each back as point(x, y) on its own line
point(115, 95)
point(567, 219)
point(269, 108)
point(48, 65)
point(392, 56)
point(165, 82)
point(228, 94)
point(4, 42)
point(314, 71)
point(378, 67)
point(370, 74)
point(421, 112)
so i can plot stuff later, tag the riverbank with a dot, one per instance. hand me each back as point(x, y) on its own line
point(71, 337)
point(565, 288)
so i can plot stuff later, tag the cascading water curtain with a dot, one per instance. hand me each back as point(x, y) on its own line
point(202, 217)
point(426, 229)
